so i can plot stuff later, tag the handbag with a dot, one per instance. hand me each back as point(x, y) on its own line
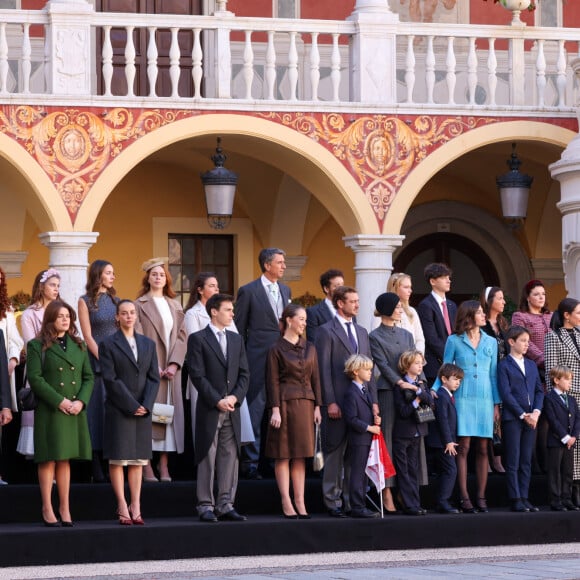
point(497, 442)
point(318, 459)
point(162, 413)
point(424, 414)
point(26, 399)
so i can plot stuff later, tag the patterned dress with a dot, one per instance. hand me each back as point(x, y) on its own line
point(102, 320)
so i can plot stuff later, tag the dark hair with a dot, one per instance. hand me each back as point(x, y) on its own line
point(465, 319)
point(289, 312)
point(5, 305)
point(524, 306)
point(340, 294)
point(267, 255)
point(566, 306)
point(37, 286)
point(167, 289)
point(214, 302)
point(436, 270)
point(198, 283)
point(48, 333)
point(94, 283)
point(121, 302)
point(486, 305)
point(514, 332)
point(449, 370)
point(327, 276)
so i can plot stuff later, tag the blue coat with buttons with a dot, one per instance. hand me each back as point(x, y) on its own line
point(56, 375)
point(478, 393)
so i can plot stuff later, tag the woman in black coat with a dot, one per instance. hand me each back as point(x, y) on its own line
point(131, 376)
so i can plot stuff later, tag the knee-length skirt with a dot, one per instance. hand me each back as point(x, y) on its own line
point(295, 437)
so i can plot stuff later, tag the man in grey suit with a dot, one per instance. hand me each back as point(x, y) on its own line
point(335, 342)
point(324, 311)
point(259, 306)
point(218, 369)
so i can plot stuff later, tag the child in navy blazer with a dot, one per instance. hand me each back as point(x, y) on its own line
point(522, 396)
point(362, 424)
point(561, 412)
point(407, 432)
point(443, 435)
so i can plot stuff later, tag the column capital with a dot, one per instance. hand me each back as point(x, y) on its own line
point(12, 263)
point(294, 266)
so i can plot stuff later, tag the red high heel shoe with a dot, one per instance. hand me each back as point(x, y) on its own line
point(137, 520)
point(124, 520)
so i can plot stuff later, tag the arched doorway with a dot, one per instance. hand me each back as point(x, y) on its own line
point(472, 267)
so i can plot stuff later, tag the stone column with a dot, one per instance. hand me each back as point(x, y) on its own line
point(68, 47)
point(373, 70)
point(69, 255)
point(373, 266)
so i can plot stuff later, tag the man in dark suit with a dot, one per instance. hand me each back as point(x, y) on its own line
point(335, 342)
point(443, 435)
point(259, 307)
point(5, 397)
point(563, 417)
point(218, 369)
point(437, 315)
point(522, 399)
point(324, 311)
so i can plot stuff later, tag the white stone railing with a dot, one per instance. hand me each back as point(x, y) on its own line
point(269, 63)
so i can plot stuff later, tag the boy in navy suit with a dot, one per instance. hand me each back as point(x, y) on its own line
point(407, 432)
point(443, 435)
point(561, 412)
point(522, 398)
point(362, 425)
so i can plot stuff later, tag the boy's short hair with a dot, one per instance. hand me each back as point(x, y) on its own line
point(559, 372)
point(449, 370)
point(408, 358)
point(436, 270)
point(514, 332)
point(355, 362)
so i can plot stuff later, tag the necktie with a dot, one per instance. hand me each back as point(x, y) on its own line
point(453, 398)
point(364, 390)
point(446, 316)
point(351, 337)
point(274, 299)
point(565, 399)
point(223, 343)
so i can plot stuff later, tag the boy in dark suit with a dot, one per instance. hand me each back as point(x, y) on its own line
point(522, 397)
point(218, 369)
point(443, 435)
point(561, 412)
point(407, 432)
point(358, 414)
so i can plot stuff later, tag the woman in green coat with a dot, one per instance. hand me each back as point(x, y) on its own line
point(59, 373)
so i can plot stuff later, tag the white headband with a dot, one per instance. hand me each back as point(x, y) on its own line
point(487, 291)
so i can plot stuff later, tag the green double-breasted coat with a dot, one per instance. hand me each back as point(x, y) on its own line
point(52, 377)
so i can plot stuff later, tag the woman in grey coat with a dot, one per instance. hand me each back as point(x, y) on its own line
point(131, 376)
point(388, 342)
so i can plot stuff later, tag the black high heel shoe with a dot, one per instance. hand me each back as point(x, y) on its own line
point(481, 505)
point(51, 524)
point(466, 506)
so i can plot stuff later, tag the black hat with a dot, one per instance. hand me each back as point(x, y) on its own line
point(386, 303)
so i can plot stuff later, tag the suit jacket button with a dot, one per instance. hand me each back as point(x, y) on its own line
point(62, 384)
point(60, 369)
point(73, 383)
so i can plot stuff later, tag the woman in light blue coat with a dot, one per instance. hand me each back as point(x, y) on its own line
point(477, 400)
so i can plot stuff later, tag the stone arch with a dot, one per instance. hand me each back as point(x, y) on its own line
point(41, 198)
point(455, 148)
point(489, 233)
point(312, 165)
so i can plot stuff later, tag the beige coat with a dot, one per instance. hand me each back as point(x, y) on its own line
point(150, 324)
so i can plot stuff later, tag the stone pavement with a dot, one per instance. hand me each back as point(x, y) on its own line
point(534, 562)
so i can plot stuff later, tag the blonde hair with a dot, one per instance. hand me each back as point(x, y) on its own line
point(356, 362)
point(393, 285)
point(408, 358)
point(559, 372)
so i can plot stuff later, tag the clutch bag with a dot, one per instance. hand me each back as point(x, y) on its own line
point(162, 413)
point(318, 459)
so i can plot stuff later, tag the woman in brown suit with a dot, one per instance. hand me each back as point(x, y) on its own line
point(161, 318)
point(294, 399)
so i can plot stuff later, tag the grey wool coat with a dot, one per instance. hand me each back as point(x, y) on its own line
point(129, 383)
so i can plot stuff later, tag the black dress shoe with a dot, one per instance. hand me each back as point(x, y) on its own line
point(569, 506)
point(412, 512)
point(337, 513)
point(232, 516)
point(558, 507)
point(304, 516)
point(529, 505)
point(518, 506)
point(364, 513)
point(446, 508)
point(66, 524)
point(251, 474)
point(208, 516)
point(51, 524)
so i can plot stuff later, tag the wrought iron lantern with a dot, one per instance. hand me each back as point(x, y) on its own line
point(514, 189)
